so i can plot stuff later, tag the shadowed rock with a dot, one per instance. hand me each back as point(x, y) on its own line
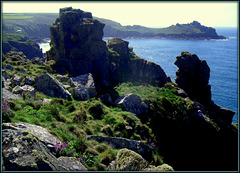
point(193, 77)
point(125, 66)
point(77, 45)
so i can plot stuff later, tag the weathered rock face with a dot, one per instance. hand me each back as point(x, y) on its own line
point(24, 152)
point(77, 48)
point(42, 134)
point(26, 148)
point(119, 45)
point(77, 45)
point(193, 76)
point(132, 103)
point(49, 85)
point(128, 160)
point(125, 66)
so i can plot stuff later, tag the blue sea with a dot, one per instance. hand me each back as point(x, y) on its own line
point(221, 56)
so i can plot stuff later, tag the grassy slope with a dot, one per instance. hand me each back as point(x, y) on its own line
point(72, 120)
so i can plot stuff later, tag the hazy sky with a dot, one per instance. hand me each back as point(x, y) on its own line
point(150, 14)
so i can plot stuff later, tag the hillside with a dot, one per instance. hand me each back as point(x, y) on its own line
point(36, 26)
point(20, 42)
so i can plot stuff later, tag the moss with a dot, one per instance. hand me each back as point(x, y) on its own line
point(129, 160)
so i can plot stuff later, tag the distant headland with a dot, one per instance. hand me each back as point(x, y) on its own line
point(36, 26)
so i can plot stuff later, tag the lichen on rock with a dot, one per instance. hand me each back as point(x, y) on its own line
point(128, 160)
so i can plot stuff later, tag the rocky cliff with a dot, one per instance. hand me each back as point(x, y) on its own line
point(77, 48)
point(160, 124)
point(193, 77)
point(126, 66)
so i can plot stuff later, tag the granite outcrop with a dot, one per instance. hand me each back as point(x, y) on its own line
point(193, 77)
point(26, 148)
point(77, 48)
point(126, 66)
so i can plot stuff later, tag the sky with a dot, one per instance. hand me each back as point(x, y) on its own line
point(149, 14)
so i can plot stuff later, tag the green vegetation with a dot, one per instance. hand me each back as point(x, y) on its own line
point(16, 16)
point(19, 38)
point(36, 26)
point(162, 100)
point(71, 121)
point(87, 118)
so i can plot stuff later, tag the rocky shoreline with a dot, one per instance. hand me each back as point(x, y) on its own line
point(97, 106)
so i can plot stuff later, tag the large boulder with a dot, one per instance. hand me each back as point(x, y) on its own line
point(26, 148)
point(41, 133)
point(128, 160)
point(85, 81)
point(132, 103)
point(22, 151)
point(49, 85)
point(77, 45)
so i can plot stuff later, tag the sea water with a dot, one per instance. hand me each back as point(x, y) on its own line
point(221, 57)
